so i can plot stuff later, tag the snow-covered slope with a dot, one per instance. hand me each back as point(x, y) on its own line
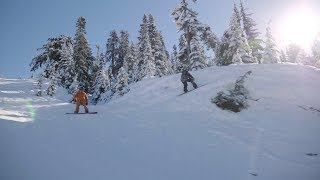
point(151, 133)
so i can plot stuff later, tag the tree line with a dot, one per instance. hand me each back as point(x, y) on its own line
point(68, 62)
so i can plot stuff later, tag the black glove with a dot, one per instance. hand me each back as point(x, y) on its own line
point(87, 103)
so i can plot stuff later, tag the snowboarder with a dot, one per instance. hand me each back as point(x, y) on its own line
point(185, 78)
point(81, 98)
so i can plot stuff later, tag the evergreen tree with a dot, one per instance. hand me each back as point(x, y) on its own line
point(270, 53)
point(159, 51)
point(293, 52)
point(101, 83)
point(192, 32)
point(251, 32)
point(234, 47)
point(112, 53)
point(145, 67)
point(316, 50)
point(174, 59)
point(39, 85)
point(73, 88)
point(130, 61)
point(197, 56)
point(223, 54)
point(52, 85)
point(67, 69)
point(82, 56)
point(56, 61)
point(122, 84)
point(123, 47)
point(283, 56)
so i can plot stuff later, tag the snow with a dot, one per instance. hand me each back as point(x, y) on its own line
point(151, 133)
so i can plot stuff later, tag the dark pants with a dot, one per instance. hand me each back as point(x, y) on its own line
point(185, 85)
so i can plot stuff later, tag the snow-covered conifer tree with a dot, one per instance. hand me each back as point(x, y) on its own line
point(174, 60)
point(56, 61)
point(130, 61)
point(191, 31)
point(101, 83)
point(197, 56)
point(251, 32)
point(67, 69)
point(51, 90)
point(234, 47)
point(82, 56)
point(316, 50)
point(122, 84)
point(146, 65)
point(39, 88)
point(123, 47)
point(293, 51)
point(283, 57)
point(159, 51)
point(270, 53)
point(112, 52)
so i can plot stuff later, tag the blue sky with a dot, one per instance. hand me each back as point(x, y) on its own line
point(26, 25)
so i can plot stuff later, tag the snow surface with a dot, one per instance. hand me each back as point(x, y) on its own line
point(151, 133)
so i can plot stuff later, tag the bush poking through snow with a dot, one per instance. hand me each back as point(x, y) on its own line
point(236, 99)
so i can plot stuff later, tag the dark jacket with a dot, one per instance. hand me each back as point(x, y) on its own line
point(186, 76)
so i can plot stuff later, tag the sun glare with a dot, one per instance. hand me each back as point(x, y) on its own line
point(299, 26)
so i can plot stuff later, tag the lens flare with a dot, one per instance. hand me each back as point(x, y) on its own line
point(31, 110)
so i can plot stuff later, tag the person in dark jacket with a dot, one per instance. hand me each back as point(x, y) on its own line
point(185, 78)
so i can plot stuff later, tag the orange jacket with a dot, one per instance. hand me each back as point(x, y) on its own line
point(81, 97)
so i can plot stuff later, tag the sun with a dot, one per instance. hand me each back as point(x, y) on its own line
point(299, 26)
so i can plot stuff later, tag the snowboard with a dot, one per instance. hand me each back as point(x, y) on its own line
point(83, 113)
point(191, 90)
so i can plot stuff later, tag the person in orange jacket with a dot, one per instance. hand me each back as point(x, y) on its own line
point(81, 98)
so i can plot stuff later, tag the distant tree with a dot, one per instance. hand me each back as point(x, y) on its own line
point(283, 56)
point(316, 50)
point(146, 65)
point(123, 47)
point(82, 56)
point(270, 53)
point(293, 52)
point(39, 88)
point(234, 47)
point(112, 53)
point(130, 60)
point(158, 48)
point(251, 32)
point(193, 33)
point(101, 83)
point(122, 84)
point(174, 59)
